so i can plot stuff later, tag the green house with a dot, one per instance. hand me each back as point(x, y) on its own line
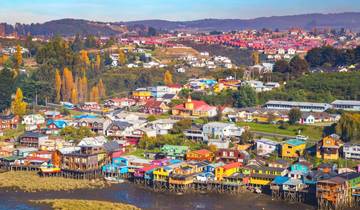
point(175, 151)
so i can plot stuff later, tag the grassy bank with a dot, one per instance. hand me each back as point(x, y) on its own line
point(31, 182)
point(67, 204)
point(313, 132)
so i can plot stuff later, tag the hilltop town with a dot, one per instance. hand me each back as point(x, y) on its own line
point(182, 112)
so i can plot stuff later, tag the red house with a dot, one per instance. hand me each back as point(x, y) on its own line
point(8, 122)
point(155, 107)
point(230, 156)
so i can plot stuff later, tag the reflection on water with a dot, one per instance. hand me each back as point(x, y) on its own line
point(146, 199)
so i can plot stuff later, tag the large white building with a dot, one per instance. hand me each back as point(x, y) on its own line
point(219, 130)
point(351, 151)
point(346, 105)
point(303, 106)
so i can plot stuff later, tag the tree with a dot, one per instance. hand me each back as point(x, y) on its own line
point(74, 96)
point(298, 66)
point(102, 91)
point(98, 62)
point(69, 83)
point(245, 97)
point(94, 95)
point(246, 137)
point(152, 31)
point(57, 86)
point(294, 116)
point(18, 57)
point(72, 133)
point(6, 88)
point(212, 148)
point(18, 106)
point(168, 78)
point(348, 127)
point(84, 58)
point(122, 57)
point(255, 58)
point(281, 66)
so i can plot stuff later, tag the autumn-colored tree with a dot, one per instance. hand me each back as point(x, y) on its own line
point(84, 57)
point(122, 57)
point(69, 83)
point(18, 57)
point(84, 86)
point(94, 95)
point(3, 59)
point(74, 96)
point(55, 159)
point(57, 85)
point(18, 106)
point(256, 58)
point(102, 90)
point(98, 62)
point(168, 78)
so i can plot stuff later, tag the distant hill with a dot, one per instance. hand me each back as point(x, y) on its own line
point(65, 27)
point(350, 20)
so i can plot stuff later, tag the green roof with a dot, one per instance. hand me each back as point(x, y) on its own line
point(295, 142)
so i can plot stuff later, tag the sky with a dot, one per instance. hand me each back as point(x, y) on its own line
point(39, 11)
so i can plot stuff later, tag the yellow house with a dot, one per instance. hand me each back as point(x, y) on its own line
point(227, 170)
point(141, 94)
point(261, 176)
point(163, 173)
point(328, 148)
point(194, 108)
point(293, 148)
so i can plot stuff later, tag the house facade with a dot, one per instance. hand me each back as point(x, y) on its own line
point(293, 148)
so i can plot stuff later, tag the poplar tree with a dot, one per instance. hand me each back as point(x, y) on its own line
point(57, 86)
point(18, 106)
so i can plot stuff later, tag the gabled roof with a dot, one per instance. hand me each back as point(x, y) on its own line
point(295, 142)
point(153, 103)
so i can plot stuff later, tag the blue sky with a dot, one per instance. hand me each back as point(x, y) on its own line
point(26, 11)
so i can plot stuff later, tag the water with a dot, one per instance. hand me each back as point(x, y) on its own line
point(146, 199)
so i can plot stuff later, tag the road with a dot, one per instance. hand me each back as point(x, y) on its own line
point(275, 135)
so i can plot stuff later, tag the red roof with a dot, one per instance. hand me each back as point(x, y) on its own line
point(202, 151)
point(153, 103)
point(175, 86)
point(197, 105)
point(232, 165)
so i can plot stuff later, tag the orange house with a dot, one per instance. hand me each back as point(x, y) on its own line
point(200, 155)
point(328, 148)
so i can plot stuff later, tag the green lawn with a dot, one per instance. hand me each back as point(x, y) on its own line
point(313, 132)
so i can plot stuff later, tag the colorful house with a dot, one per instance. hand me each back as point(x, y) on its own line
point(194, 108)
point(293, 148)
point(328, 148)
point(200, 155)
point(263, 175)
point(231, 155)
point(227, 170)
point(141, 94)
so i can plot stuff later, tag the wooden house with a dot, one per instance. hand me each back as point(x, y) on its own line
point(32, 139)
point(194, 108)
point(336, 192)
point(293, 148)
point(230, 155)
point(328, 148)
point(185, 173)
point(227, 170)
point(153, 106)
point(200, 155)
point(9, 122)
point(263, 175)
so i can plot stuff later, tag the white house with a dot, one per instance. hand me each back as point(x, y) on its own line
point(351, 151)
point(307, 118)
point(32, 121)
point(219, 130)
point(266, 147)
point(162, 126)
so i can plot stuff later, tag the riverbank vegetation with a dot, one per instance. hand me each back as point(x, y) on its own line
point(31, 182)
point(67, 204)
